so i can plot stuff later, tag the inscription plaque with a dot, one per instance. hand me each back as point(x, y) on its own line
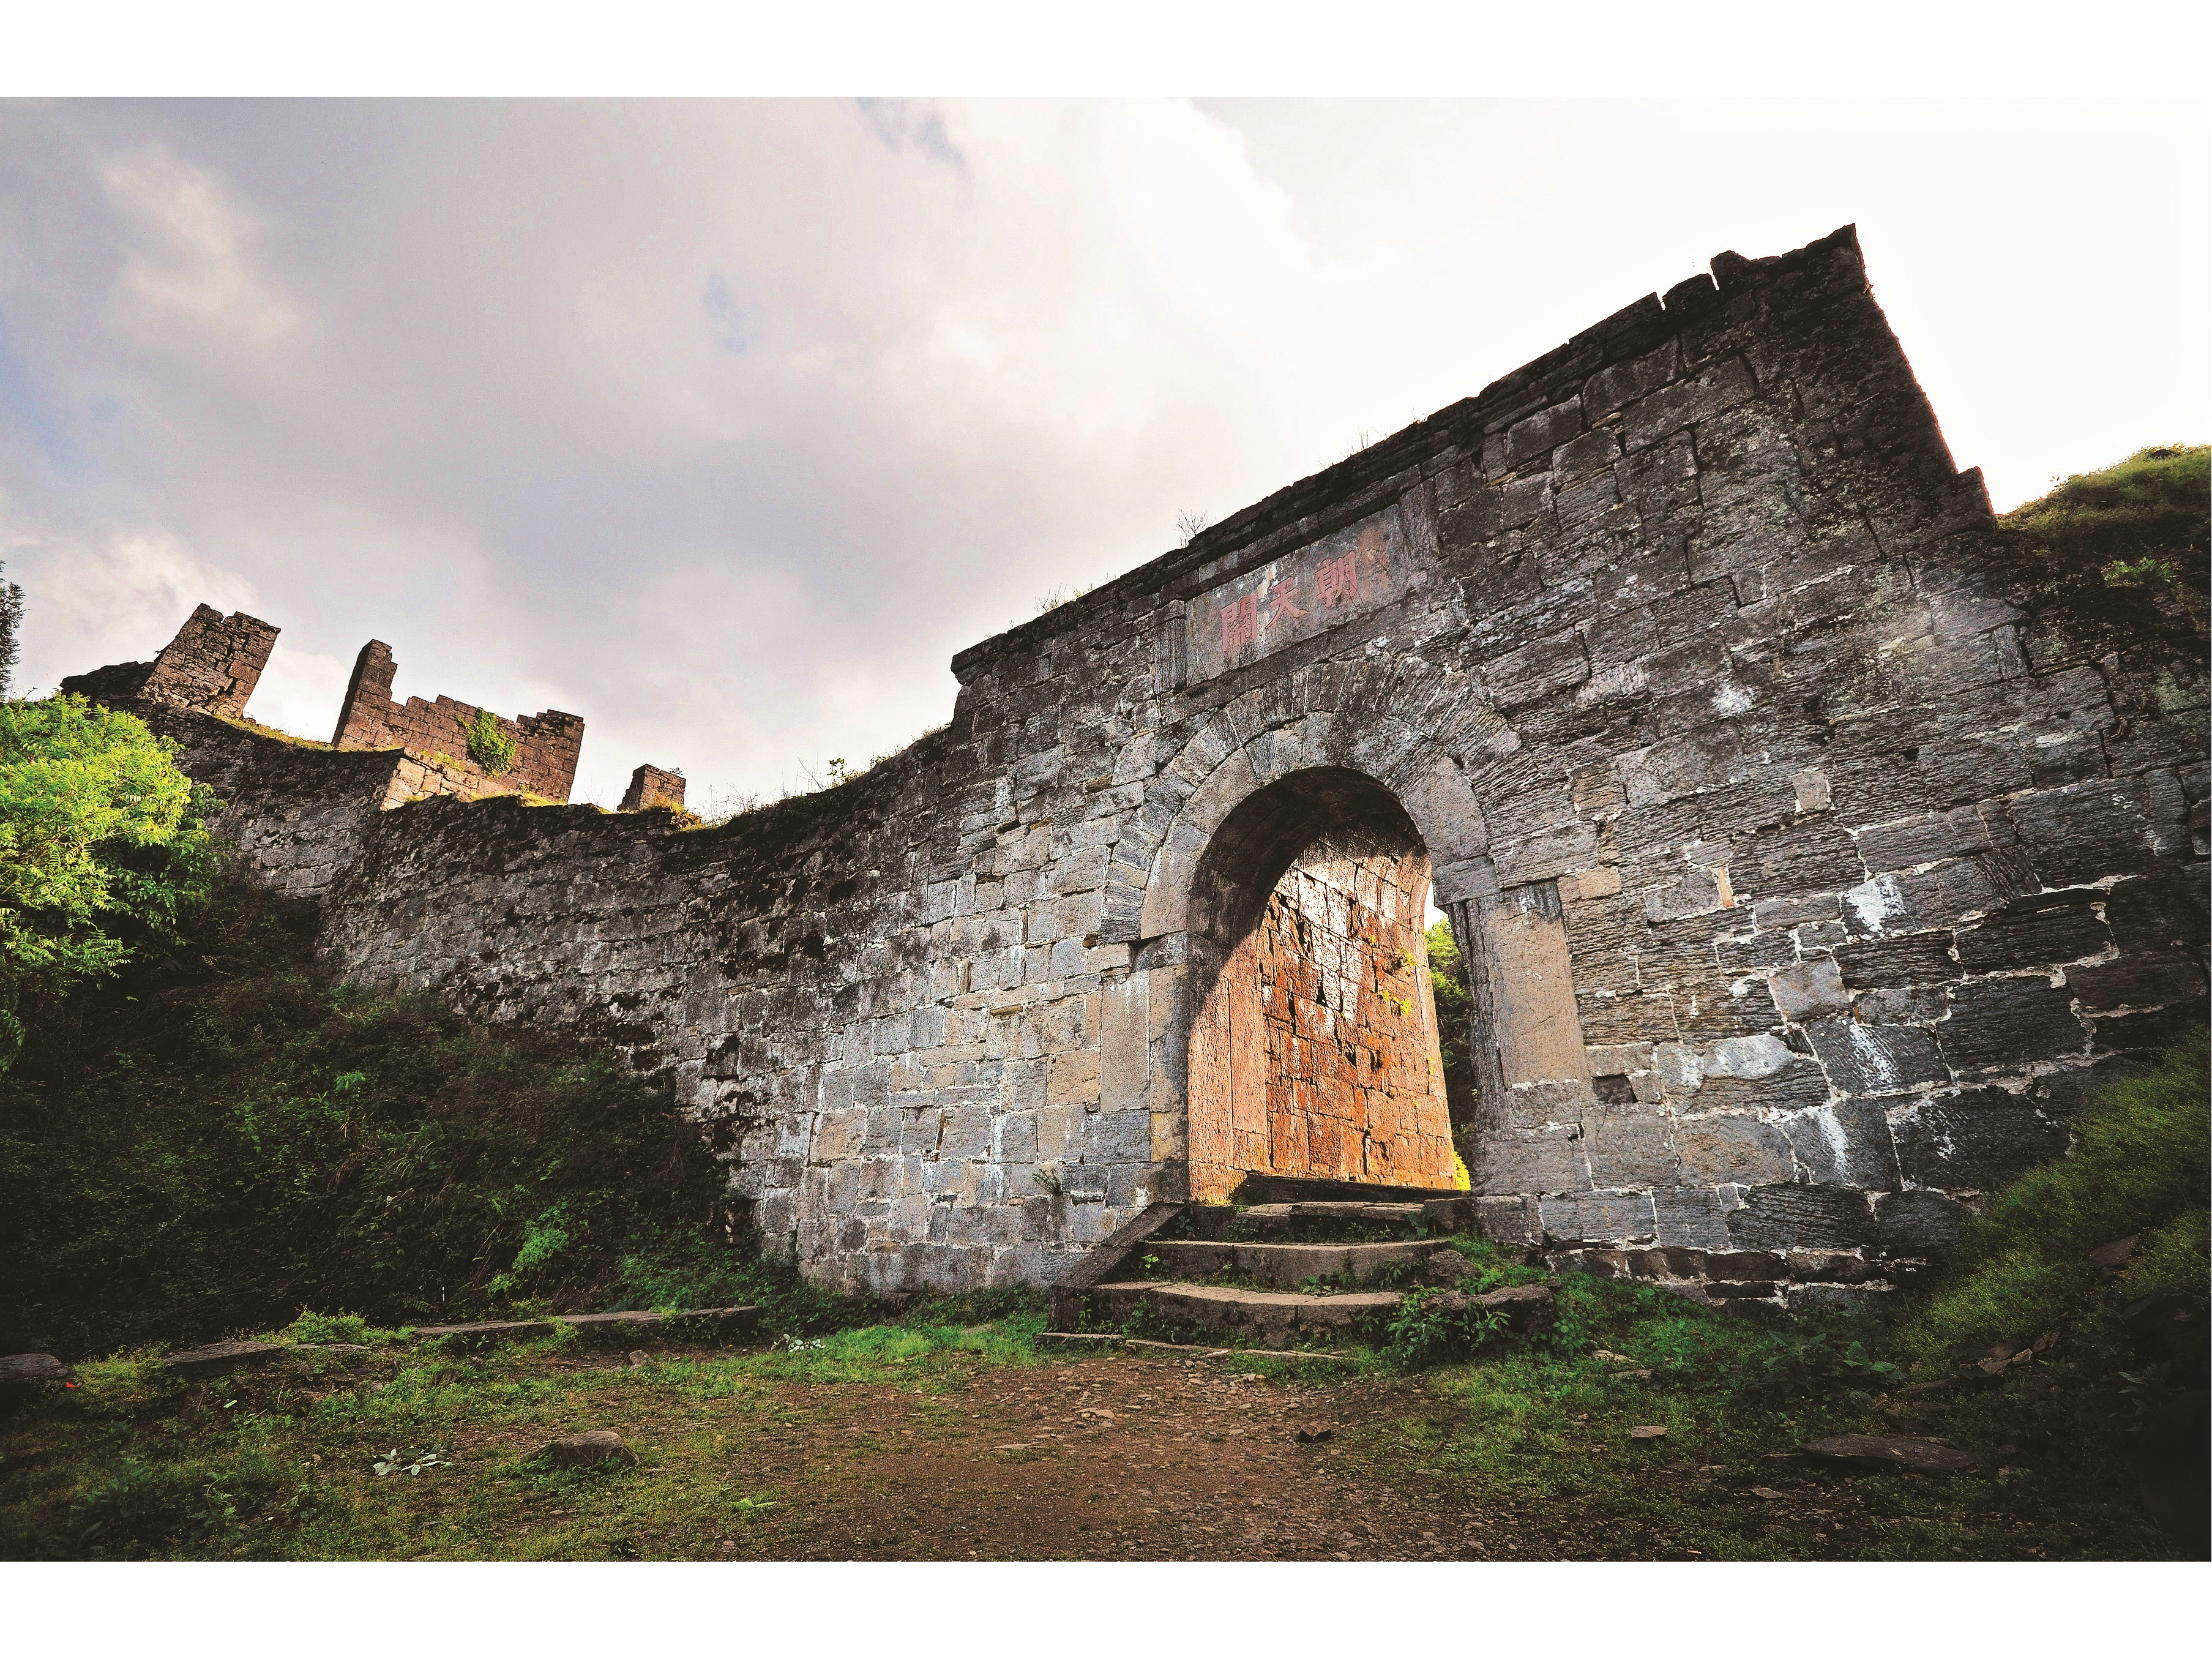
point(1356, 569)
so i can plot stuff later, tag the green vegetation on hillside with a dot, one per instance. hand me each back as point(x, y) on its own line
point(2120, 554)
point(216, 1139)
point(103, 847)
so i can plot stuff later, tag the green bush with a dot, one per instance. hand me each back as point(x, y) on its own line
point(214, 1139)
point(490, 748)
point(103, 845)
point(1455, 1021)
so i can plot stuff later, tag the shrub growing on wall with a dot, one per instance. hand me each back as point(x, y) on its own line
point(489, 747)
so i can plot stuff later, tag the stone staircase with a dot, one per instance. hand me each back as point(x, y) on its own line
point(1295, 1271)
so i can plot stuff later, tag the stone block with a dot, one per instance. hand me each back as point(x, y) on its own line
point(1940, 896)
point(1692, 1217)
point(1629, 1145)
point(1812, 856)
point(2010, 1022)
point(1876, 1060)
point(1511, 1221)
point(1731, 1147)
point(1845, 1144)
point(1699, 893)
point(1072, 1078)
point(1914, 959)
point(1975, 1140)
point(2102, 828)
point(1921, 1223)
point(1797, 1086)
point(2035, 931)
point(220, 1359)
point(1924, 840)
point(1531, 1161)
point(1661, 413)
point(1802, 1218)
point(1599, 1217)
point(1914, 1005)
point(2142, 981)
point(1810, 990)
point(1537, 670)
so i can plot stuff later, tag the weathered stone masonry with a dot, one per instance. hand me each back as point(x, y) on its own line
point(546, 744)
point(1806, 880)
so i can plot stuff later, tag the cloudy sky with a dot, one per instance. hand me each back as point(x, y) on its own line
point(725, 424)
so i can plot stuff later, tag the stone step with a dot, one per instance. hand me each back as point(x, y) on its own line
point(1307, 1218)
point(1286, 1267)
point(1276, 1318)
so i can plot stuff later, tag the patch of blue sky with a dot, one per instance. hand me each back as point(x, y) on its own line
point(903, 124)
point(25, 405)
point(727, 323)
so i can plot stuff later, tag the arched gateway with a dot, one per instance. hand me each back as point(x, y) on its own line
point(1313, 1051)
point(1807, 872)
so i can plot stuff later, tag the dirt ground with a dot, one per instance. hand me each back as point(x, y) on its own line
point(1130, 1456)
point(1113, 1457)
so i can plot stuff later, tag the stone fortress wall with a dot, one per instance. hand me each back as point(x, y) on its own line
point(1807, 872)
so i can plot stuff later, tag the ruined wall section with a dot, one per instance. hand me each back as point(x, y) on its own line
point(212, 664)
point(296, 814)
point(547, 745)
point(902, 1039)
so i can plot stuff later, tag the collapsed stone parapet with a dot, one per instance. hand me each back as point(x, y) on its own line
point(649, 785)
point(212, 665)
point(546, 745)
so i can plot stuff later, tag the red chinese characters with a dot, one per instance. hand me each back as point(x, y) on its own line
point(1240, 624)
point(1283, 603)
point(1338, 580)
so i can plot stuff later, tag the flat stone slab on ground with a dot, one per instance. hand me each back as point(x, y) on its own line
point(1286, 1266)
point(1923, 1456)
point(25, 1376)
point(576, 1451)
point(217, 1358)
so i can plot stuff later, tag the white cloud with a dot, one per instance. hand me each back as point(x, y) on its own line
point(724, 425)
point(104, 593)
point(190, 268)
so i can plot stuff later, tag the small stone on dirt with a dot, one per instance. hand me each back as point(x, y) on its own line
point(1649, 1431)
point(637, 1357)
point(593, 1446)
point(1767, 1492)
point(1922, 1456)
point(2116, 1254)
